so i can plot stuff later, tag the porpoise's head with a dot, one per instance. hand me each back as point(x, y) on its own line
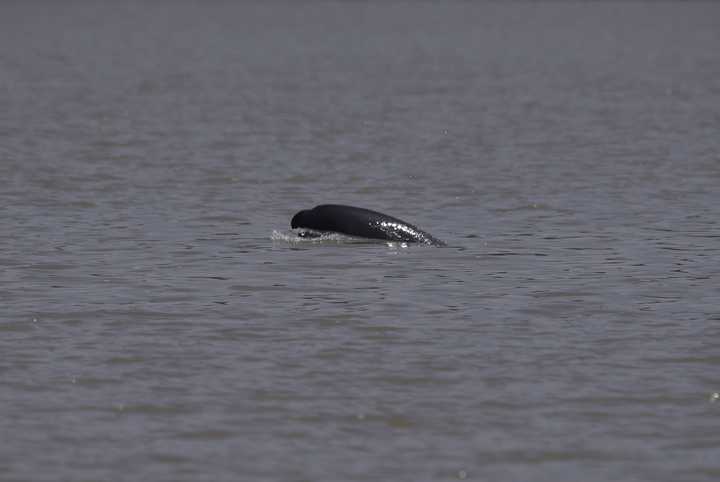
point(301, 219)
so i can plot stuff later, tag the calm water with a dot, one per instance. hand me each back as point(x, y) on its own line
point(159, 322)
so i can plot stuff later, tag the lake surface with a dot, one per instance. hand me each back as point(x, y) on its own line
point(159, 320)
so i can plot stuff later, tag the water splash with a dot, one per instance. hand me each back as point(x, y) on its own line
point(302, 236)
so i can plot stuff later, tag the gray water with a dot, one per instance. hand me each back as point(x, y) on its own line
point(159, 321)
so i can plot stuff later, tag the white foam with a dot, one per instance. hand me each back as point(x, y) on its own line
point(294, 236)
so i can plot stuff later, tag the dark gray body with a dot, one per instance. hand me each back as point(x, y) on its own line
point(361, 222)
